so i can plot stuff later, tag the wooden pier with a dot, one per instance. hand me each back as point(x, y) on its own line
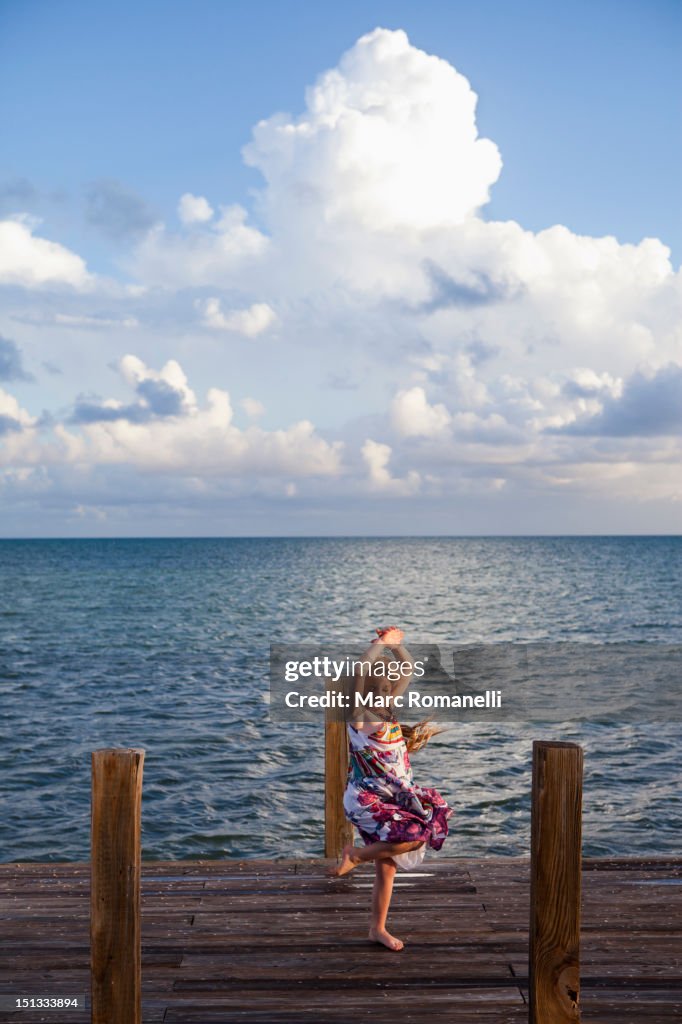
point(278, 942)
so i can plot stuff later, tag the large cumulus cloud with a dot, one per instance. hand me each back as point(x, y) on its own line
point(388, 141)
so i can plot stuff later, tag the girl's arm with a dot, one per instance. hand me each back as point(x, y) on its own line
point(406, 668)
point(392, 637)
point(361, 714)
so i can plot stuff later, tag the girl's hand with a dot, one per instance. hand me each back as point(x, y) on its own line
point(391, 636)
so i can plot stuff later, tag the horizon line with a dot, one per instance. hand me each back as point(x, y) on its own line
point(359, 536)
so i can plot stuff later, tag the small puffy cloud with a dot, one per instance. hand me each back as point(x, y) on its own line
point(12, 417)
point(585, 383)
point(33, 262)
point(117, 211)
point(377, 457)
point(160, 393)
point(249, 322)
point(412, 416)
point(648, 405)
point(135, 372)
point(91, 512)
point(194, 209)
point(252, 407)
point(11, 365)
point(166, 391)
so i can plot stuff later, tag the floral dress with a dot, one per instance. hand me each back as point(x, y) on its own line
point(382, 800)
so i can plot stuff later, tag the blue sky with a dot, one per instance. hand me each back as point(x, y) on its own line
point(452, 375)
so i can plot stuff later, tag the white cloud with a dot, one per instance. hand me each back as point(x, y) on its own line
point(412, 416)
point(492, 429)
point(19, 451)
point(204, 254)
point(388, 140)
point(33, 262)
point(207, 442)
point(585, 383)
point(252, 407)
point(74, 320)
point(90, 512)
point(376, 457)
point(12, 413)
point(249, 322)
point(136, 374)
point(645, 405)
point(194, 209)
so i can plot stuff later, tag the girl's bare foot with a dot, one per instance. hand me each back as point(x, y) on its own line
point(348, 862)
point(385, 938)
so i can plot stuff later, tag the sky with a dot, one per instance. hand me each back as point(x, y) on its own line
point(363, 269)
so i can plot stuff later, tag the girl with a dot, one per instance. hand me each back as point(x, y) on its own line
point(395, 817)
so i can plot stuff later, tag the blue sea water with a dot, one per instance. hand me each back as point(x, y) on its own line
point(163, 644)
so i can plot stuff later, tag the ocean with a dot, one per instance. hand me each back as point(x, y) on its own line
point(163, 644)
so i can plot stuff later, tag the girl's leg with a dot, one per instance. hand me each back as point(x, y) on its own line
point(354, 855)
point(384, 873)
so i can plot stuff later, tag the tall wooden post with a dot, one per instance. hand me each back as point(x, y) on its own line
point(115, 936)
point(337, 829)
point(555, 865)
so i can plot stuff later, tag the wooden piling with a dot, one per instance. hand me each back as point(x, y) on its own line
point(554, 964)
point(337, 829)
point(115, 867)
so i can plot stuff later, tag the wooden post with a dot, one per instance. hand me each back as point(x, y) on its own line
point(555, 864)
point(115, 937)
point(337, 829)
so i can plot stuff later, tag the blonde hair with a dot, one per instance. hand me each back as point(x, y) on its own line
point(415, 736)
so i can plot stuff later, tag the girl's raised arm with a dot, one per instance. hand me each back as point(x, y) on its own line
point(374, 651)
point(392, 637)
point(406, 668)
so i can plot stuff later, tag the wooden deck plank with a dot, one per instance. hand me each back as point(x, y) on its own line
point(277, 942)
